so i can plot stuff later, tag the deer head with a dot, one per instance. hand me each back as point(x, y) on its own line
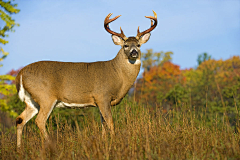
point(130, 45)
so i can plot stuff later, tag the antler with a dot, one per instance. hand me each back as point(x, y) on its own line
point(106, 26)
point(140, 34)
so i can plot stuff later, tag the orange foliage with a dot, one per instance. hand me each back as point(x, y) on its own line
point(158, 81)
point(210, 78)
point(224, 71)
point(167, 71)
point(14, 72)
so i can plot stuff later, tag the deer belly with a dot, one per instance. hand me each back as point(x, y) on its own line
point(73, 105)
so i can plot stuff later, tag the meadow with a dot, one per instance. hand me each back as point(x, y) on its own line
point(141, 132)
point(170, 113)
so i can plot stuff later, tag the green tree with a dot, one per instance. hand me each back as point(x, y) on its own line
point(203, 57)
point(7, 8)
point(150, 59)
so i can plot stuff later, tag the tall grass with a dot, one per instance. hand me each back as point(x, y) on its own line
point(141, 132)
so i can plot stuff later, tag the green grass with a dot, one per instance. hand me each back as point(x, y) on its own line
point(142, 132)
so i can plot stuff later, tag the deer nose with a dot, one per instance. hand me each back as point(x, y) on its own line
point(134, 53)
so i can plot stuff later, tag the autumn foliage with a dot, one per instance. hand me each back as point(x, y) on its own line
point(214, 85)
point(158, 81)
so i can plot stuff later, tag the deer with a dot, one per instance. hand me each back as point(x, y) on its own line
point(44, 85)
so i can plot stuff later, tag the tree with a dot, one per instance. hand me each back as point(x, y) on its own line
point(214, 86)
point(157, 82)
point(7, 8)
point(6, 87)
point(150, 59)
point(159, 77)
point(203, 57)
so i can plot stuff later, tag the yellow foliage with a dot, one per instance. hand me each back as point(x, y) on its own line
point(7, 89)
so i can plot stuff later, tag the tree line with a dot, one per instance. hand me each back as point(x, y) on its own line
point(214, 85)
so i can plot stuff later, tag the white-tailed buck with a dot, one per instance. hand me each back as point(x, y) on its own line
point(47, 84)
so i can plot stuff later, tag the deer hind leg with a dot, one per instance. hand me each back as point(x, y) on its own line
point(44, 112)
point(106, 117)
point(30, 111)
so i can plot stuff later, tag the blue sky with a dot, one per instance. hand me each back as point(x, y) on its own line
point(72, 30)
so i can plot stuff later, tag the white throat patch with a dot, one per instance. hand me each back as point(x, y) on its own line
point(134, 62)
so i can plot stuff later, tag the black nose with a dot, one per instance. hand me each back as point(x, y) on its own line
point(134, 53)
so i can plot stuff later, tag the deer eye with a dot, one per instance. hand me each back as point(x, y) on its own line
point(126, 46)
point(138, 45)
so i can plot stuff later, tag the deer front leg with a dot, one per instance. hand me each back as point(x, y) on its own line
point(106, 117)
point(103, 122)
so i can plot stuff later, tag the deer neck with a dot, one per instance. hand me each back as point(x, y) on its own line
point(129, 68)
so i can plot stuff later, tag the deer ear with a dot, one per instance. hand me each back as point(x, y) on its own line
point(144, 38)
point(117, 40)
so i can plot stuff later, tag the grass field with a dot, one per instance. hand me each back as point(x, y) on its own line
point(141, 132)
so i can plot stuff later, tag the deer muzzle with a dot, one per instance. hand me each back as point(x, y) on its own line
point(134, 54)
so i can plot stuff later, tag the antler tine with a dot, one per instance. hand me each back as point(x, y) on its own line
point(106, 26)
point(139, 34)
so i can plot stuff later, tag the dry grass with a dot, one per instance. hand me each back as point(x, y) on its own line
point(140, 134)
